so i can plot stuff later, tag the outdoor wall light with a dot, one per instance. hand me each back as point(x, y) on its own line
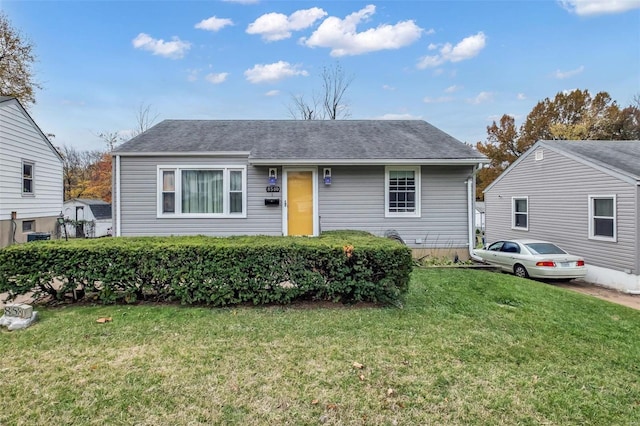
point(273, 176)
point(327, 176)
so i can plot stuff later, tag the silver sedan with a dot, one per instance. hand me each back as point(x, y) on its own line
point(532, 258)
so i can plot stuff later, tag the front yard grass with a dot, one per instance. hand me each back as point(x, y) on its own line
point(469, 347)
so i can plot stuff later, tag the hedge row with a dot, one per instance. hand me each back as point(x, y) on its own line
point(339, 266)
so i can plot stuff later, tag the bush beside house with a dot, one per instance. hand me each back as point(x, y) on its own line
point(340, 266)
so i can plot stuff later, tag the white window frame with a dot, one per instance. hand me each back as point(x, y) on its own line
point(513, 213)
point(418, 195)
point(33, 178)
point(225, 168)
point(592, 217)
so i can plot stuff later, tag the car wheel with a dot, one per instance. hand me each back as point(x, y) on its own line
point(520, 271)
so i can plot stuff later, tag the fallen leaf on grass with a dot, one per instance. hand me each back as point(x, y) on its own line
point(390, 392)
point(104, 319)
point(331, 406)
point(361, 377)
point(358, 365)
point(315, 402)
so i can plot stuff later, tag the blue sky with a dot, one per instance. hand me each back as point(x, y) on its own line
point(456, 64)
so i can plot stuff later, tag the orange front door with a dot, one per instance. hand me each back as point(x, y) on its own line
point(300, 203)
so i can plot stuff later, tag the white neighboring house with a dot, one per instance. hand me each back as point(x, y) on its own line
point(31, 187)
point(95, 215)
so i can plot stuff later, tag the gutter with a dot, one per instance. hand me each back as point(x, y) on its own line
point(363, 162)
point(119, 208)
point(471, 213)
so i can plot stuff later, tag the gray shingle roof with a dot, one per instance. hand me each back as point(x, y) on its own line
point(620, 156)
point(100, 208)
point(90, 201)
point(303, 139)
point(101, 211)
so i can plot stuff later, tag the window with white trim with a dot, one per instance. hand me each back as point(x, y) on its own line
point(402, 191)
point(27, 178)
point(520, 213)
point(196, 191)
point(602, 217)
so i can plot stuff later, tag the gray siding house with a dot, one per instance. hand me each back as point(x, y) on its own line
point(30, 176)
point(252, 177)
point(583, 196)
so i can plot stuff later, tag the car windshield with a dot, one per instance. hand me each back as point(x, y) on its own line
point(545, 248)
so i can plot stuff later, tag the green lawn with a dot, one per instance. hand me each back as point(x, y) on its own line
point(469, 347)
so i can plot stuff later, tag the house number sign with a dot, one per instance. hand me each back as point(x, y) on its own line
point(18, 311)
point(273, 188)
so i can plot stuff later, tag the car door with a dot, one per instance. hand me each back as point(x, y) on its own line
point(509, 255)
point(492, 254)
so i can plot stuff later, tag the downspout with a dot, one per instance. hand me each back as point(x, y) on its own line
point(471, 213)
point(118, 208)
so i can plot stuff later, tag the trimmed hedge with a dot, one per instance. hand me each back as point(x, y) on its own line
point(337, 266)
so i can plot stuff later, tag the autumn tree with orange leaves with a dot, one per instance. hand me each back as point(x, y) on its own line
point(572, 115)
point(87, 174)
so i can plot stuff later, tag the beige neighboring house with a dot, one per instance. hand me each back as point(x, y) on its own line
point(31, 186)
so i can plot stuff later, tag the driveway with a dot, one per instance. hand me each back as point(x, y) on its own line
point(615, 296)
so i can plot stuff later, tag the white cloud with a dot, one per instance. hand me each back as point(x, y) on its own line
point(466, 49)
point(521, 96)
point(599, 7)
point(392, 116)
point(481, 98)
point(439, 100)
point(387, 87)
point(174, 49)
point(272, 93)
point(216, 78)
point(269, 73)
point(277, 26)
point(213, 24)
point(342, 37)
point(453, 89)
point(561, 75)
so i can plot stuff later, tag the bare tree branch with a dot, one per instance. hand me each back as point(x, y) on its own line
point(334, 84)
point(300, 109)
point(330, 104)
point(144, 119)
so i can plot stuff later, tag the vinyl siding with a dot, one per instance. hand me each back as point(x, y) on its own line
point(354, 200)
point(637, 228)
point(558, 189)
point(138, 183)
point(21, 141)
